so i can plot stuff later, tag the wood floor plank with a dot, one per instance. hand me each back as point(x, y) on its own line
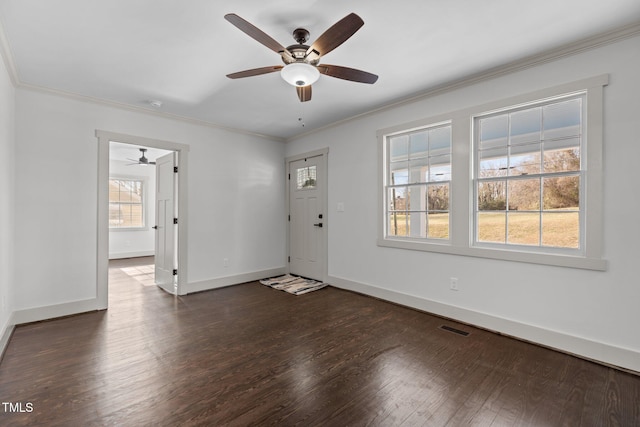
point(251, 355)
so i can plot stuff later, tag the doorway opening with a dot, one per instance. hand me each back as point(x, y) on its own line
point(133, 226)
point(169, 236)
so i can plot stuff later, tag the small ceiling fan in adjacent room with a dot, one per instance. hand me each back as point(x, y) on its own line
point(142, 160)
point(302, 63)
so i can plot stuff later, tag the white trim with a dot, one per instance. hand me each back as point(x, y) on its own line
point(324, 152)
point(122, 255)
point(579, 346)
point(143, 110)
point(5, 335)
point(461, 211)
point(57, 310)
point(221, 282)
point(104, 138)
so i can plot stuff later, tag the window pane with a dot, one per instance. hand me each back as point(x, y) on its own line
point(438, 197)
point(524, 159)
point(492, 196)
point(419, 146)
point(417, 224)
point(306, 178)
point(438, 225)
point(491, 227)
point(440, 169)
point(523, 228)
point(398, 199)
point(561, 229)
point(562, 119)
point(440, 140)
point(399, 148)
point(397, 225)
point(562, 155)
point(418, 170)
point(494, 132)
point(493, 162)
point(561, 193)
point(399, 173)
point(524, 194)
point(416, 197)
point(526, 126)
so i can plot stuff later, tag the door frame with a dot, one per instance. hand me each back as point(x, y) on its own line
point(102, 262)
point(324, 181)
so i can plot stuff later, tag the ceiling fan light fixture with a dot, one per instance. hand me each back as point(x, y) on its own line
point(300, 74)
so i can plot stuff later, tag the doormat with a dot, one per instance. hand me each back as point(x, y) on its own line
point(293, 284)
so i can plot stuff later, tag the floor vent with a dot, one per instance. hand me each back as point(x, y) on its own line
point(454, 330)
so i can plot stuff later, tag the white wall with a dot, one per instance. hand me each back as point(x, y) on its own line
point(7, 138)
point(591, 313)
point(124, 243)
point(236, 201)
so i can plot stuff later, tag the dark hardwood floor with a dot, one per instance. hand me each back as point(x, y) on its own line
point(250, 355)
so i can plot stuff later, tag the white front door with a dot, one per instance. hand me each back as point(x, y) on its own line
point(307, 217)
point(165, 250)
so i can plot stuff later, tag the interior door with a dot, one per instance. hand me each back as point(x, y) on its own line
point(165, 248)
point(307, 219)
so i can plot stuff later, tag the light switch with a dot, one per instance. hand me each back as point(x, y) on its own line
point(340, 207)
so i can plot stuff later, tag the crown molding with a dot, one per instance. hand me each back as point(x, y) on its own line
point(563, 51)
point(137, 109)
point(7, 57)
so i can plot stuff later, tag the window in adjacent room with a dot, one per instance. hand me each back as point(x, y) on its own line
point(126, 204)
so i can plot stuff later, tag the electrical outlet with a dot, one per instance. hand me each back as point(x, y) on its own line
point(225, 262)
point(453, 283)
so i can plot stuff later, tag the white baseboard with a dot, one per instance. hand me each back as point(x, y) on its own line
point(593, 350)
point(221, 282)
point(52, 311)
point(122, 255)
point(5, 335)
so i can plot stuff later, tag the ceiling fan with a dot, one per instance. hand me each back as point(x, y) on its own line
point(302, 63)
point(142, 160)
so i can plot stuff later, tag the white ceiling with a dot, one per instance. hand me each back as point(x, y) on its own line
point(179, 52)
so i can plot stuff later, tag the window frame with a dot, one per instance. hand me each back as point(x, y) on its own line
point(144, 203)
point(462, 187)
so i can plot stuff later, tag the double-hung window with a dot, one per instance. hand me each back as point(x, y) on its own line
point(127, 204)
point(516, 179)
point(528, 176)
point(418, 177)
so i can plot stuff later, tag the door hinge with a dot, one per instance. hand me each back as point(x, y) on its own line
point(289, 177)
point(289, 217)
point(175, 169)
point(288, 259)
point(175, 272)
point(175, 220)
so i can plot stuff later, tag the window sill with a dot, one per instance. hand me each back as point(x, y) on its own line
point(558, 260)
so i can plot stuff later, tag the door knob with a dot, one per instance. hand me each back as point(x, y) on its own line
point(155, 227)
point(318, 225)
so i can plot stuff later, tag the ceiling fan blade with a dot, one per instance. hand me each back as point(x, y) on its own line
point(347, 73)
point(254, 32)
point(255, 72)
point(336, 35)
point(304, 93)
